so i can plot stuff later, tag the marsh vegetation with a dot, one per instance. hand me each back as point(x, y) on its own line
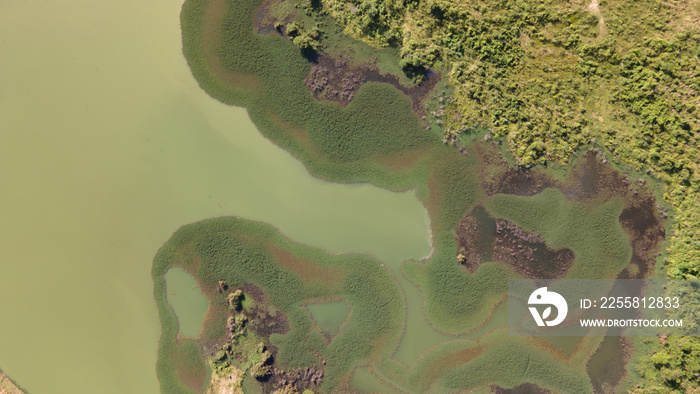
point(579, 219)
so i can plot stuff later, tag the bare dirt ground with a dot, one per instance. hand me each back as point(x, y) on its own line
point(595, 10)
point(229, 384)
point(7, 386)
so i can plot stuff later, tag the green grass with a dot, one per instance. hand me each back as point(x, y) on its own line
point(517, 363)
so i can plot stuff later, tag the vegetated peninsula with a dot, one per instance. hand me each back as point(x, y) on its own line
point(546, 140)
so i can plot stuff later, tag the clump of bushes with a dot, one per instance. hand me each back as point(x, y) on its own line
point(235, 299)
point(308, 41)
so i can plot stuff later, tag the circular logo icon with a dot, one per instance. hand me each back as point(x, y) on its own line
point(543, 297)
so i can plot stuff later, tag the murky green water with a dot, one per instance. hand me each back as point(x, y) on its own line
point(419, 335)
point(329, 316)
point(188, 302)
point(107, 146)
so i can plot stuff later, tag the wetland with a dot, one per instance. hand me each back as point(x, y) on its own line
point(489, 221)
point(344, 165)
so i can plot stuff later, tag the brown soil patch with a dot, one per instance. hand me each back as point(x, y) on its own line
point(211, 30)
point(591, 180)
point(528, 254)
point(498, 177)
point(481, 239)
point(517, 181)
point(226, 384)
point(400, 162)
point(259, 317)
point(296, 381)
point(640, 220)
point(307, 270)
point(334, 79)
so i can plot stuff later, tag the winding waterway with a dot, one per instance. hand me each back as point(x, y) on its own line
point(107, 146)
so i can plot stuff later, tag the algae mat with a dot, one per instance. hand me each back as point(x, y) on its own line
point(108, 146)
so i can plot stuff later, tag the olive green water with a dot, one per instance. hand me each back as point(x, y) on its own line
point(188, 302)
point(107, 146)
point(329, 316)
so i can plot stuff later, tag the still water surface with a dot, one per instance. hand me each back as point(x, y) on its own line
point(188, 302)
point(107, 146)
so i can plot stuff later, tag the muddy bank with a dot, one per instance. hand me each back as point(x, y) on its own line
point(591, 180)
point(640, 220)
point(253, 326)
point(297, 381)
point(261, 320)
point(606, 375)
point(265, 324)
point(334, 79)
point(481, 238)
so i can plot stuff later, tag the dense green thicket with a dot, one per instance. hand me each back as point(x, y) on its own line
point(672, 368)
